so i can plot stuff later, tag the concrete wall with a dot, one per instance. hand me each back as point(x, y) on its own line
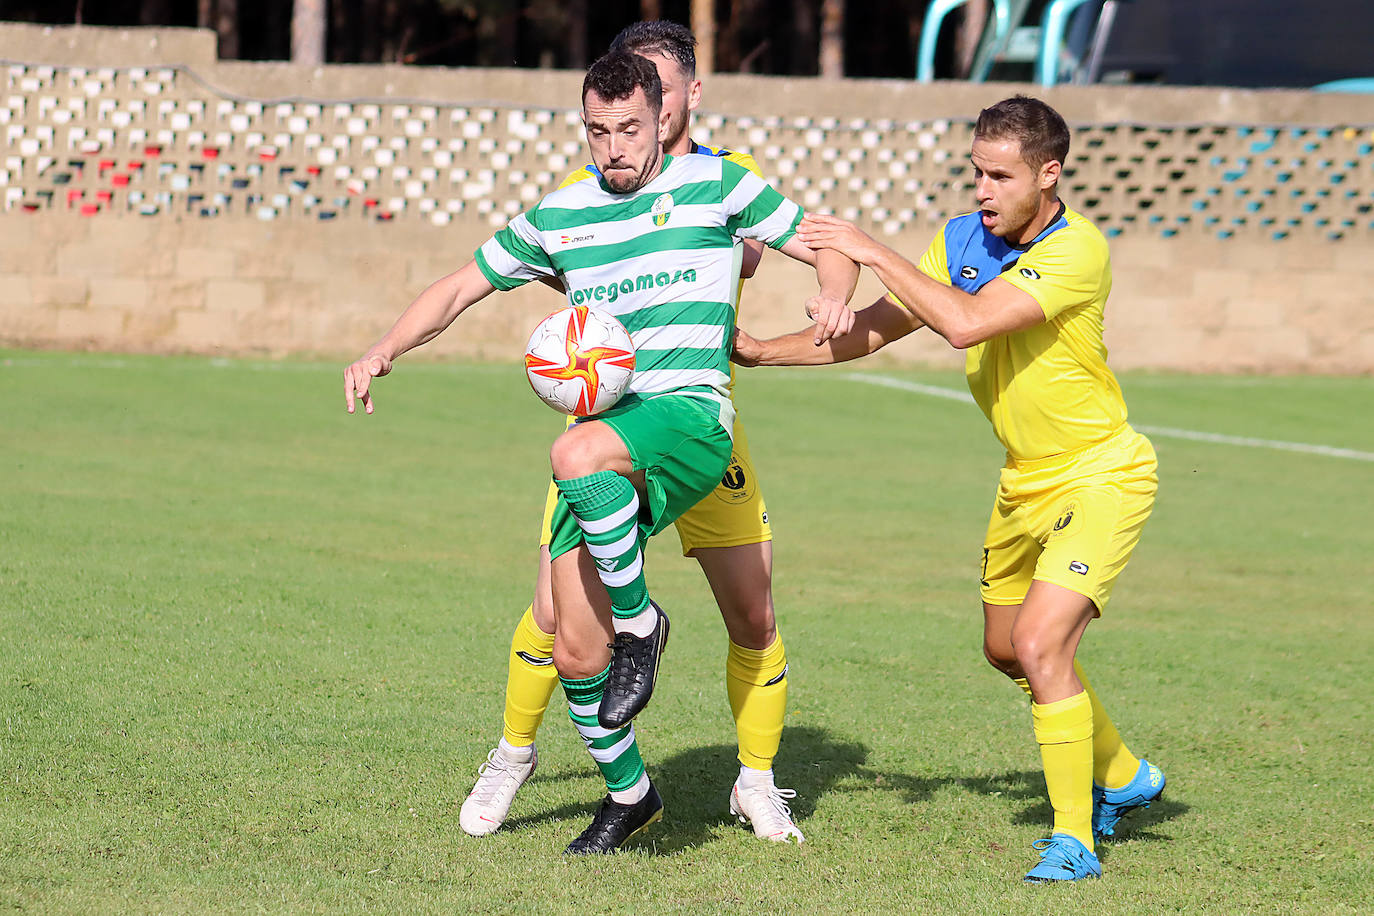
point(296, 211)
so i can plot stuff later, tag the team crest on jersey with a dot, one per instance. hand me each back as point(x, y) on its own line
point(663, 207)
point(969, 272)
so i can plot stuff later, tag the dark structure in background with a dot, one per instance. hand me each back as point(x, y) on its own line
point(1253, 43)
point(1247, 43)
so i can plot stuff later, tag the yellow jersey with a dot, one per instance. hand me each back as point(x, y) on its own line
point(1046, 389)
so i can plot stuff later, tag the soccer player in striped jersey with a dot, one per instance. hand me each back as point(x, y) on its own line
point(653, 241)
point(728, 533)
point(1021, 283)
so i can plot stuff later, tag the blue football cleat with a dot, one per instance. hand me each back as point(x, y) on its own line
point(1062, 858)
point(1111, 805)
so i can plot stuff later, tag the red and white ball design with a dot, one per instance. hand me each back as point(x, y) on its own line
point(580, 360)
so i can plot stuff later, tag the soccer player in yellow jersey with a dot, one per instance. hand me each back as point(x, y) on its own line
point(1021, 284)
point(727, 533)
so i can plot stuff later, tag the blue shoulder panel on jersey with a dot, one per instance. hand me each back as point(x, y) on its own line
point(975, 256)
point(707, 150)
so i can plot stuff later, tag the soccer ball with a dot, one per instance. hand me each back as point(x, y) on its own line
point(580, 360)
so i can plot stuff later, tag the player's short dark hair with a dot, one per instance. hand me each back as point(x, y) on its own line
point(617, 74)
point(1038, 128)
point(659, 36)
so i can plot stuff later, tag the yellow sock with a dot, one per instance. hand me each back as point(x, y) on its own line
point(1024, 685)
point(530, 680)
point(756, 680)
point(1064, 730)
point(1113, 763)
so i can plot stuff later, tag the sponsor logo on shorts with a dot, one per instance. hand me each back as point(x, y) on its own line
point(1029, 273)
point(607, 563)
point(1079, 567)
point(968, 272)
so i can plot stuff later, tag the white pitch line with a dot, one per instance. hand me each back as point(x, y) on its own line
point(1167, 432)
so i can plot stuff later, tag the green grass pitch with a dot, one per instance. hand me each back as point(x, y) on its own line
point(252, 651)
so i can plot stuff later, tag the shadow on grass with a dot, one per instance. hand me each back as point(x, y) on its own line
point(695, 785)
point(1029, 786)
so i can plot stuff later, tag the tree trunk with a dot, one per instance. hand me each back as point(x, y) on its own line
point(832, 39)
point(227, 25)
point(577, 34)
point(704, 27)
point(309, 25)
point(650, 10)
point(802, 54)
point(205, 14)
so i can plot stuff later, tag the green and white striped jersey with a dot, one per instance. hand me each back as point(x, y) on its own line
point(665, 260)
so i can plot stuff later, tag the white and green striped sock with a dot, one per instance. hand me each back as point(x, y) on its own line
point(606, 507)
point(614, 749)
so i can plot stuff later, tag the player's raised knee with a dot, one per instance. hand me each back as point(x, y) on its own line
point(588, 448)
point(573, 455)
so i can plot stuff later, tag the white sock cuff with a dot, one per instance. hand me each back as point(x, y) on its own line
point(514, 752)
point(751, 777)
point(634, 794)
point(641, 624)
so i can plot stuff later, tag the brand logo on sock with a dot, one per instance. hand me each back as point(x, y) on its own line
point(779, 678)
point(1080, 568)
point(534, 659)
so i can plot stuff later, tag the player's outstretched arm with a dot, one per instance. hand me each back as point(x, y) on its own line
point(422, 321)
point(962, 319)
point(874, 327)
point(836, 275)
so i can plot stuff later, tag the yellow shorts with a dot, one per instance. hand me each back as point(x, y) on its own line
point(1072, 520)
point(730, 515)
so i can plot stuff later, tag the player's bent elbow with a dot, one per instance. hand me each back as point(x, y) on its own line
point(962, 335)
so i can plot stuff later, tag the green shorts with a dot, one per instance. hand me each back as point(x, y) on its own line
point(679, 444)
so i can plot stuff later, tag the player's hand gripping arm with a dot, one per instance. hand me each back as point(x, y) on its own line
point(874, 327)
point(422, 321)
point(962, 319)
point(836, 274)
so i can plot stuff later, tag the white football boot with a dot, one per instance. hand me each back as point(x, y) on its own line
point(489, 801)
point(764, 806)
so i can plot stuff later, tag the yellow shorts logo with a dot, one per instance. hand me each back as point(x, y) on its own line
point(737, 486)
point(1069, 521)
